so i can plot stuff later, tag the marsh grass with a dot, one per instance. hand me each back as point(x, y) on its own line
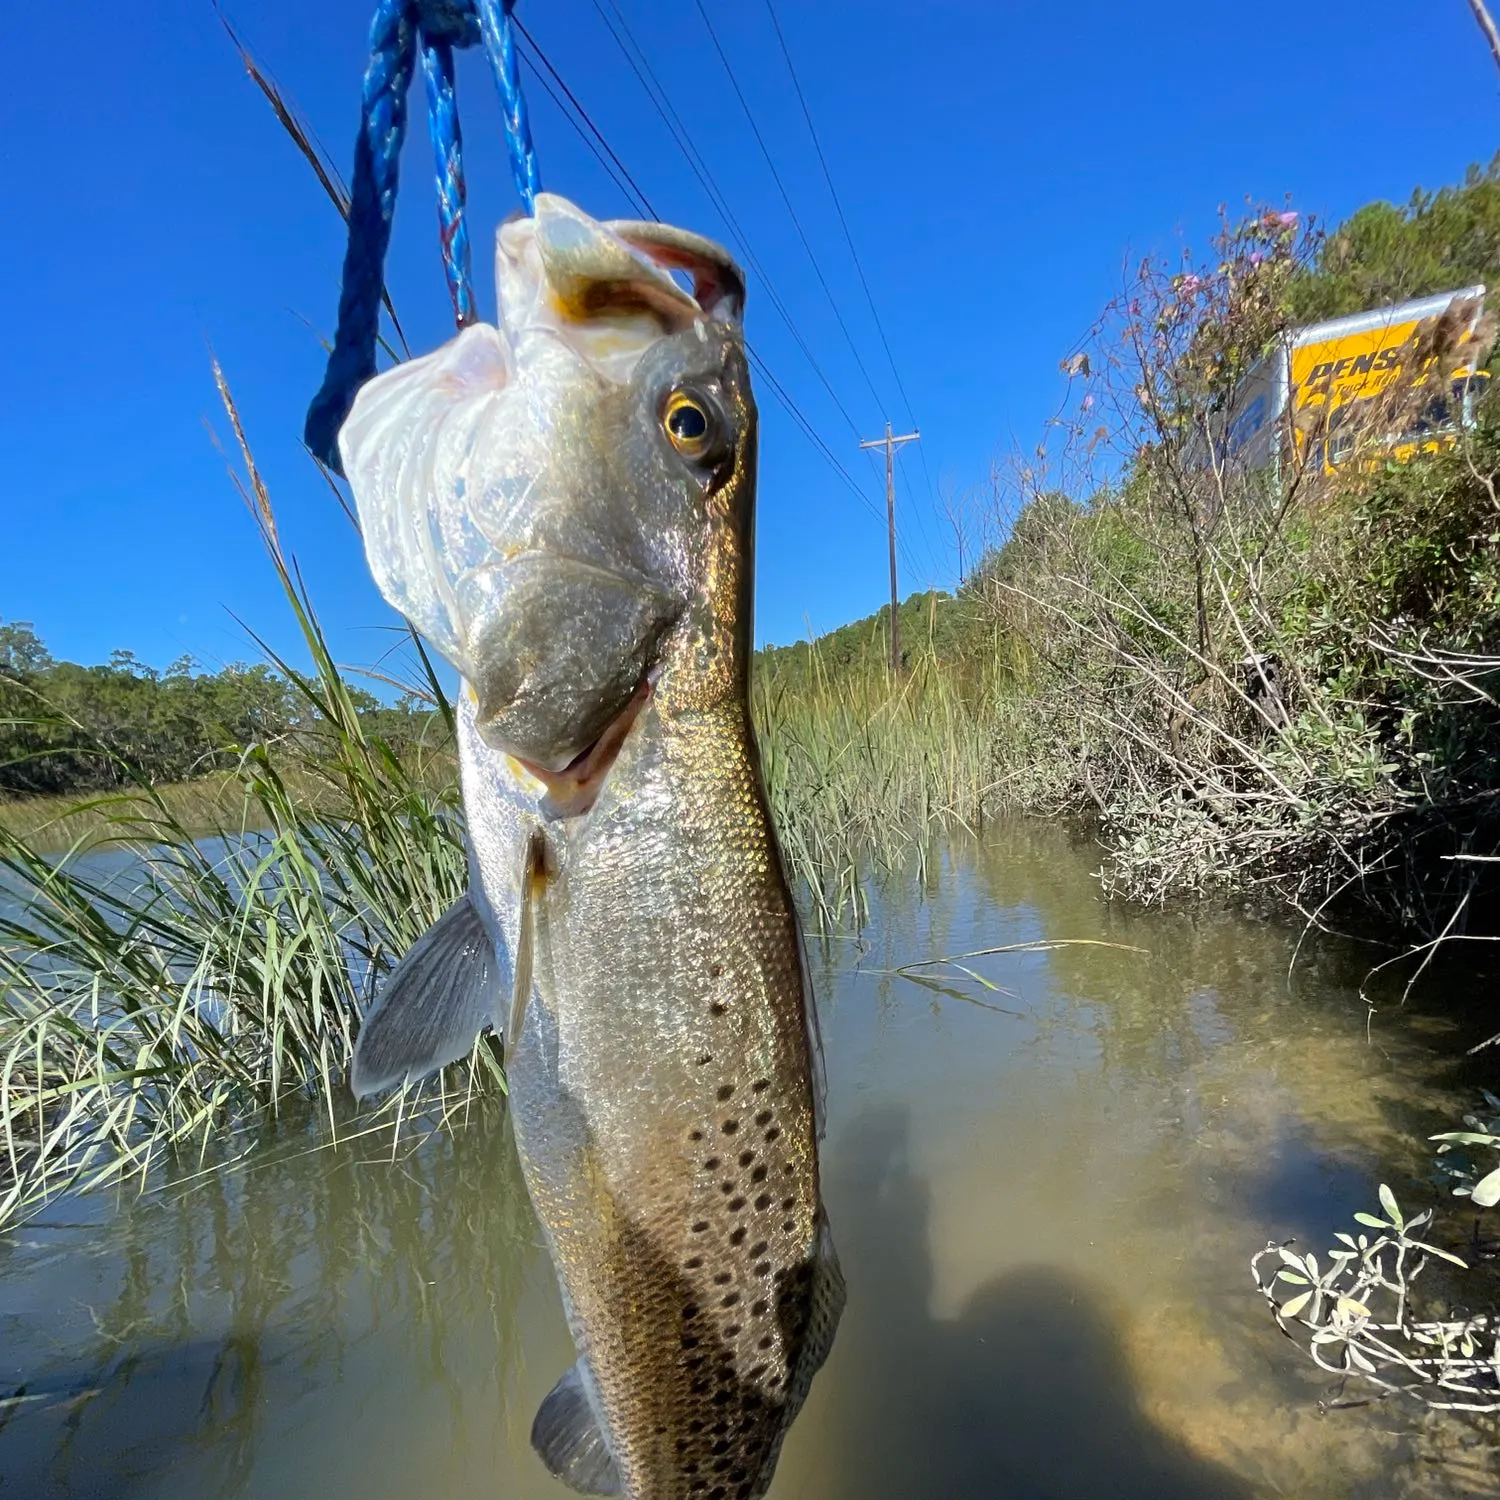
point(862, 769)
point(219, 970)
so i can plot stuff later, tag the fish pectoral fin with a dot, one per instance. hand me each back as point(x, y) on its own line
point(567, 1438)
point(432, 1006)
point(533, 877)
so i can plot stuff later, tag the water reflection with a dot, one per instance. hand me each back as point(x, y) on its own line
point(1025, 1393)
point(1045, 1207)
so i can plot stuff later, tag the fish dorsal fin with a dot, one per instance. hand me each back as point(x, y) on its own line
point(435, 1002)
point(533, 877)
point(567, 1438)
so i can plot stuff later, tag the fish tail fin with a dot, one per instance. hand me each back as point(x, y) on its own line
point(569, 1440)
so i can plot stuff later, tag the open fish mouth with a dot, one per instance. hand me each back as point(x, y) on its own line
point(574, 789)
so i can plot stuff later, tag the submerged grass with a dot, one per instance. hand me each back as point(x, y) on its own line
point(212, 978)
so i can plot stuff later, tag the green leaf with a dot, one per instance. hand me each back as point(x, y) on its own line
point(1292, 1276)
point(1388, 1203)
point(1294, 1305)
point(1487, 1190)
point(1372, 1221)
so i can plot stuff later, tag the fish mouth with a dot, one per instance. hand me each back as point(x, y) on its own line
point(572, 791)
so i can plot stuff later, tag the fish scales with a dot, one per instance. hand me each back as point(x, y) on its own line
point(683, 1208)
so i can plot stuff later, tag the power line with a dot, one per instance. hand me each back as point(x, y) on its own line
point(603, 150)
point(786, 199)
point(864, 280)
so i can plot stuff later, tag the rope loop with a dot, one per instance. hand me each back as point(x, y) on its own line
point(400, 30)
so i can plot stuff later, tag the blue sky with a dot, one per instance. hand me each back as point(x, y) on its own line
point(997, 161)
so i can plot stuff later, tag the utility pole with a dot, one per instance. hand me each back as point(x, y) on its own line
point(890, 444)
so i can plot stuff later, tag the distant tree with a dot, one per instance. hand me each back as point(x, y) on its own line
point(21, 649)
point(1383, 254)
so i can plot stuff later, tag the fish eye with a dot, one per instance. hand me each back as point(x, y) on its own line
point(689, 424)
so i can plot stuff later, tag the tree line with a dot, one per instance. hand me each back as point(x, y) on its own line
point(67, 728)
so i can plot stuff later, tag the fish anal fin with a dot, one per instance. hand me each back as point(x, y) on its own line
point(567, 1438)
point(433, 1004)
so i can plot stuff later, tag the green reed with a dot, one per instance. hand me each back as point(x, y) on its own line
point(862, 768)
point(212, 978)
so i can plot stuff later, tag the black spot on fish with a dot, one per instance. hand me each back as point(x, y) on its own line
point(715, 970)
point(746, 1157)
point(736, 1204)
point(694, 1263)
point(763, 1268)
point(790, 1225)
point(773, 1134)
point(726, 1091)
point(695, 1135)
point(733, 1331)
point(722, 1278)
point(761, 1085)
point(712, 1164)
point(689, 1311)
point(729, 1299)
point(703, 1059)
point(730, 1126)
point(763, 1118)
point(788, 1204)
point(726, 1187)
point(759, 1309)
point(759, 1174)
point(717, 1008)
point(766, 1342)
point(763, 1202)
point(695, 1426)
point(756, 1373)
point(737, 1237)
point(758, 1248)
point(719, 1445)
point(690, 1341)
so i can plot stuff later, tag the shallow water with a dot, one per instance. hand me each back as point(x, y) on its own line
point(1044, 1194)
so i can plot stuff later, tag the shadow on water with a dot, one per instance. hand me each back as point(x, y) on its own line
point(1026, 1394)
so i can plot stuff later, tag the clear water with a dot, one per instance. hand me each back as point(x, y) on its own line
point(1045, 1196)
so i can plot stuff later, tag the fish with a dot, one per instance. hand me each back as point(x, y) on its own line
point(629, 929)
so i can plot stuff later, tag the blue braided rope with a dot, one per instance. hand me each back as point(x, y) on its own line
point(447, 148)
point(372, 203)
point(500, 45)
point(440, 25)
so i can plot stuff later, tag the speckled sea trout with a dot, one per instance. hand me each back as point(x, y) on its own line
point(565, 508)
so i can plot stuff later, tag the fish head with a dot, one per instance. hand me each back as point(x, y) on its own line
point(533, 495)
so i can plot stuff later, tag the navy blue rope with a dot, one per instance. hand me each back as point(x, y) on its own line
point(400, 29)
